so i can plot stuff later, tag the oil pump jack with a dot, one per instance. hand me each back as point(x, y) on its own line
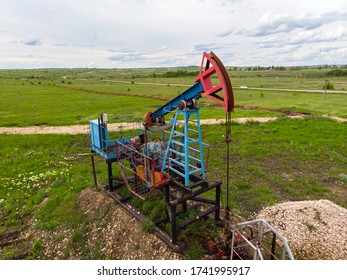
point(175, 162)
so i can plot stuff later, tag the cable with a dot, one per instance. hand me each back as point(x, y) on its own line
point(227, 141)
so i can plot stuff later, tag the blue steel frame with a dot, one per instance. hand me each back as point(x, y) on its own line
point(98, 144)
point(183, 154)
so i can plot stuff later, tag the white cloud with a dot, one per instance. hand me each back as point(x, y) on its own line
point(340, 34)
point(305, 37)
point(226, 32)
point(30, 42)
point(140, 33)
point(197, 48)
point(284, 23)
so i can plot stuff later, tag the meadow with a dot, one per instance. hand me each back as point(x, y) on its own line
point(42, 176)
point(67, 97)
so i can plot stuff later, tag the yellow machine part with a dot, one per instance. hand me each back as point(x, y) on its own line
point(140, 170)
point(156, 176)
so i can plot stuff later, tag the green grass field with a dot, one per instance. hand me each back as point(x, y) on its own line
point(283, 160)
point(42, 175)
point(67, 97)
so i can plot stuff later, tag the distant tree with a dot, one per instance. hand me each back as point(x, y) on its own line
point(328, 85)
point(337, 72)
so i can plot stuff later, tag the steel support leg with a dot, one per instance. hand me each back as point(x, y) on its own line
point(94, 171)
point(217, 212)
point(173, 224)
point(273, 246)
point(110, 181)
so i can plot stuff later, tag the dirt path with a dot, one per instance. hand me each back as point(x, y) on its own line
point(248, 88)
point(298, 90)
point(84, 129)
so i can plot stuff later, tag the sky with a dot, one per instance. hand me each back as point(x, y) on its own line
point(165, 33)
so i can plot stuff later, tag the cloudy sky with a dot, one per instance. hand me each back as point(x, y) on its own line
point(155, 33)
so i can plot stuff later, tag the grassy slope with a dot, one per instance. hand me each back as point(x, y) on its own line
point(271, 162)
point(312, 103)
point(33, 167)
point(40, 176)
point(27, 104)
point(35, 97)
point(282, 160)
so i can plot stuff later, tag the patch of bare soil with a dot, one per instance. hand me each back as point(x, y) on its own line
point(316, 230)
point(19, 248)
point(121, 236)
point(84, 129)
point(287, 112)
point(109, 229)
point(13, 240)
point(72, 129)
point(245, 120)
point(54, 243)
point(8, 238)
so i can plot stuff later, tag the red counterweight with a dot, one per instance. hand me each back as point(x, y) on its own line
point(222, 93)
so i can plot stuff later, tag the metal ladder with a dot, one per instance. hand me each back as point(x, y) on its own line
point(184, 153)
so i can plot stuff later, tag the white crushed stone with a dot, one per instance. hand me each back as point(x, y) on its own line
point(316, 230)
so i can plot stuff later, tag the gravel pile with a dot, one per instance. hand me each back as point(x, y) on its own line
point(119, 234)
point(316, 230)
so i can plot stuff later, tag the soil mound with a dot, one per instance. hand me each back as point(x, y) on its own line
point(120, 235)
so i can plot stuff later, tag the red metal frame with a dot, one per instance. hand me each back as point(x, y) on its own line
point(126, 153)
point(221, 93)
